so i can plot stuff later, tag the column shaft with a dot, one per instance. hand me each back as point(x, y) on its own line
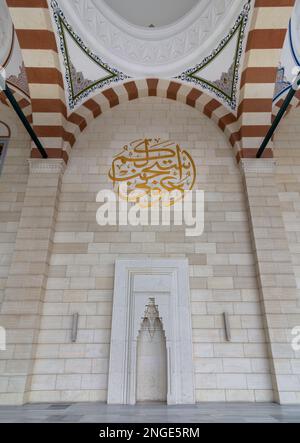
point(280, 298)
point(24, 293)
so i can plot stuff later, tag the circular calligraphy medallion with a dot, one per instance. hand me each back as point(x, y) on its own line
point(148, 171)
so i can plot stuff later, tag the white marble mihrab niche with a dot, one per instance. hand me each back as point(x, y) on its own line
point(137, 281)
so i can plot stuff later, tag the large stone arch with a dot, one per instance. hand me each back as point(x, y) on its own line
point(135, 89)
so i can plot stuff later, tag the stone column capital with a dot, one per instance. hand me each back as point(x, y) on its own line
point(46, 166)
point(258, 165)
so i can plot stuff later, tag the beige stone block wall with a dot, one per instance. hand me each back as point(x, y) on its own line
point(278, 289)
point(222, 268)
point(287, 153)
point(13, 181)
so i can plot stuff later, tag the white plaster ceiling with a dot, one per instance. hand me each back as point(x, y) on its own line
point(153, 12)
point(5, 32)
point(204, 47)
point(163, 51)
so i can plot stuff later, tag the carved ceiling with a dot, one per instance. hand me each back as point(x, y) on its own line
point(155, 12)
point(205, 47)
point(144, 51)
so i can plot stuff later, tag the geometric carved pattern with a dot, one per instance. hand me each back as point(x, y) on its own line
point(230, 48)
point(79, 87)
point(151, 321)
point(135, 47)
point(20, 80)
point(166, 52)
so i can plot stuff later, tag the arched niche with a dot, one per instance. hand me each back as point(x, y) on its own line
point(135, 282)
point(152, 359)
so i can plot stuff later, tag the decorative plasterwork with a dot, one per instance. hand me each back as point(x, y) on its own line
point(258, 166)
point(15, 68)
point(85, 71)
point(20, 80)
point(78, 86)
point(151, 320)
point(160, 52)
point(78, 81)
point(226, 87)
point(46, 166)
point(135, 281)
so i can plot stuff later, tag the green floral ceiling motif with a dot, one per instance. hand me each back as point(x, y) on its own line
point(226, 87)
point(80, 87)
point(81, 64)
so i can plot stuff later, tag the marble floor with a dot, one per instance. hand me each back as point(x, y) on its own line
point(150, 413)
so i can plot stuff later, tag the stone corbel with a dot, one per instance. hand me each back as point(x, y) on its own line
point(258, 165)
point(46, 166)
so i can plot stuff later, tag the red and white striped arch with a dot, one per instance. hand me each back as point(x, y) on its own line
point(132, 90)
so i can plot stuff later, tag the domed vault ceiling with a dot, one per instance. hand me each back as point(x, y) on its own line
point(201, 43)
point(151, 13)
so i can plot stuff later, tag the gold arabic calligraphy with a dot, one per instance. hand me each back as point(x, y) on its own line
point(152, 166)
